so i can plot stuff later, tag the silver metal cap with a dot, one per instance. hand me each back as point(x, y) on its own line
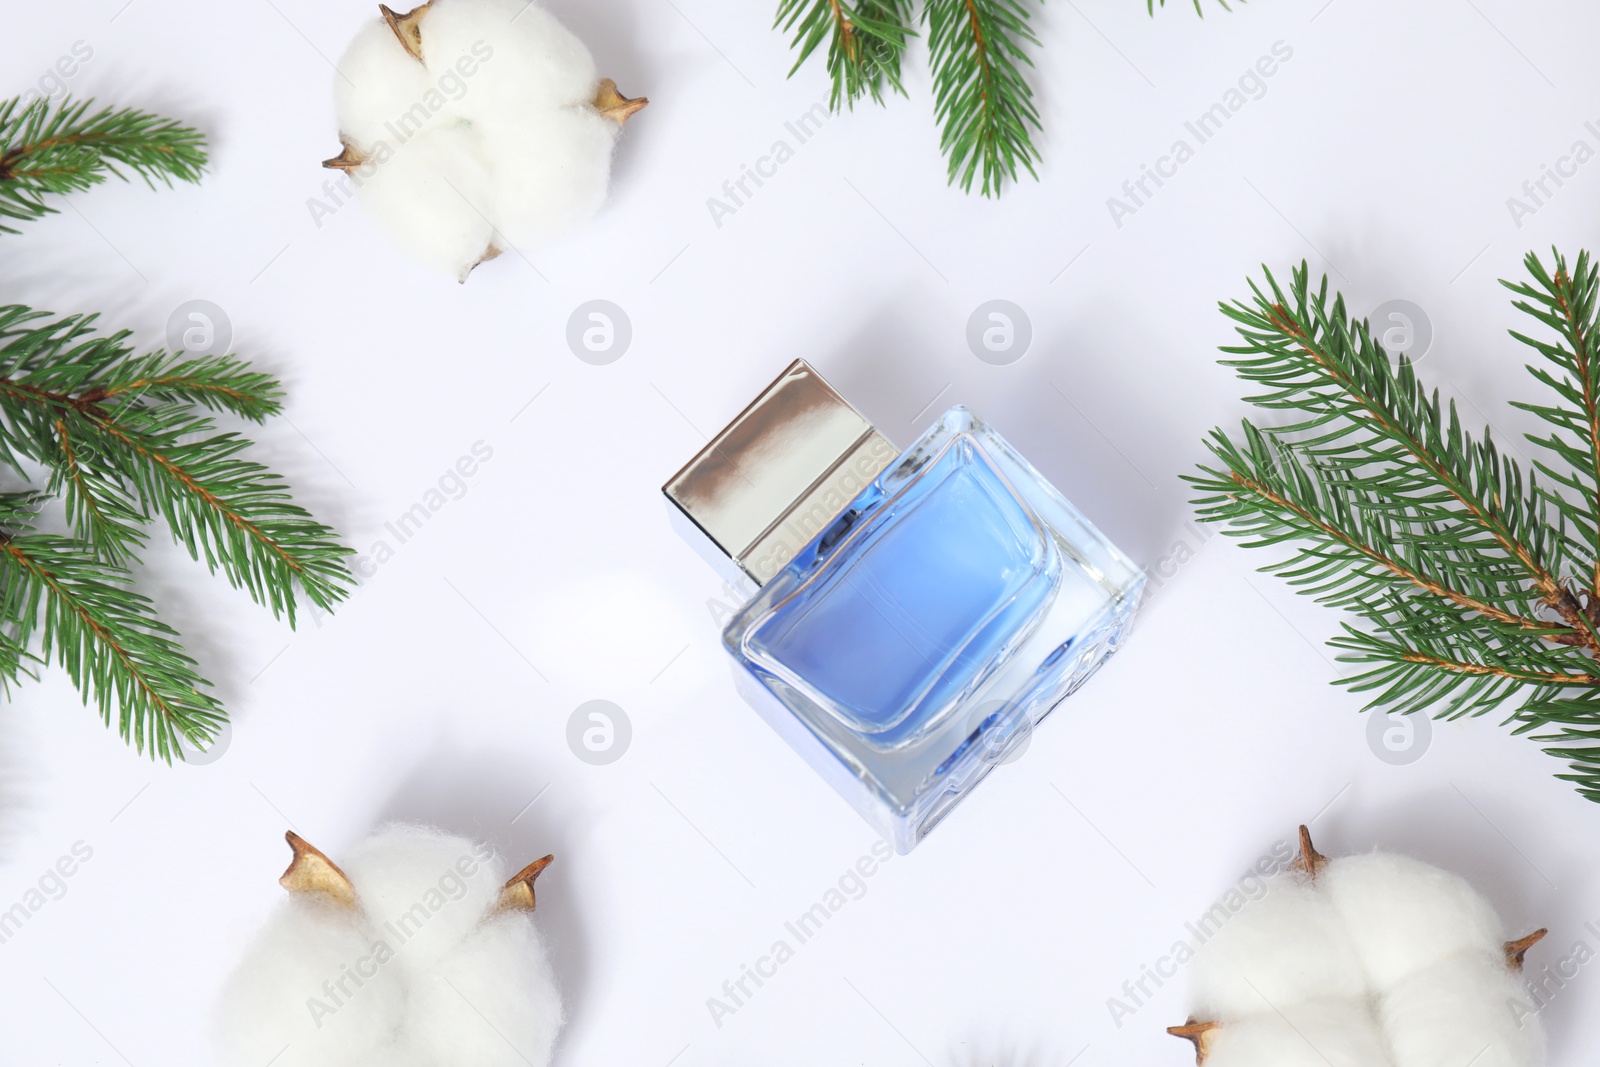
point(780, 472)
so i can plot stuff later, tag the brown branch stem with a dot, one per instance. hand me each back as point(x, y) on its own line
point(102, 420)
point(1591, 405)
point(1551, 591)
point(1395, 568)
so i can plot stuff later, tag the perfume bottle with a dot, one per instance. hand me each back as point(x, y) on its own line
point(914, 613)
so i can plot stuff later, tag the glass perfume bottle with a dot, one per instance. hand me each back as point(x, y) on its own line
point(918, 612)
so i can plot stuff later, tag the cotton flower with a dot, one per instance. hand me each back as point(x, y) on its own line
point(474, 126)
point(419, 954)
point(1458, 1011)
point(1306, 1034)
point(1370, 961)
point(1245, 972)
point(1404, 915)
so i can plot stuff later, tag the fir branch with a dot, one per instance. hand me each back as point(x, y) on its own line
point(981, 98)
point(103, 515)
point(1565, 302)
point(1350, 550)
point(1571, 731)
point(63, 148)
point(121, 439)
point(866, 41)
point(1422, 657)
point(66, 356)
point(102, 633)
point(234, 511)
point(117, 431)
point(1460, 566)
point(1372, 414)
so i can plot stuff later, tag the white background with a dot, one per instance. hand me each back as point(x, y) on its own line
point(1384, 152)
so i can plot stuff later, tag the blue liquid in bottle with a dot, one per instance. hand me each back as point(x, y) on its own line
point(948, 609)
point(921, 606)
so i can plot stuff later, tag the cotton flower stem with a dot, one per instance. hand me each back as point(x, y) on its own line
point(613, 105)
point(408, 27)
point(494, 251)
point(1311, 861)
point(348, 159)
point(1517, 951)
point(314, 874)
point(1196, 1032)
point(517, 894)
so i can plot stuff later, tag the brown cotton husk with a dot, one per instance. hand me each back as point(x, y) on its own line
point(408, 27)
point(492, 252)
point(1197, 1032)
point(1517, 951)
point(348, 159)
point(1310, 862)
point(313, 874)
point(613, 105)
point(517, 893)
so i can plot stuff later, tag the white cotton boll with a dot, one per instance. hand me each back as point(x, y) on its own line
point(1418, 953)
point(1404, 915)
point(1468, 1009)
point(299, 992)
point(415, 954)
point(377, 83)
point(493, 1002)
point(1329, 1034)
point(523, 56)
point(552, 174)
point(496, 121)
point(415, 886)
point(1286, 947)
point(431, 195)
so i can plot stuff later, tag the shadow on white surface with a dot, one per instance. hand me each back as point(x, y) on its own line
point(1007, 1053)
point(112, 80)
point(1067, 440)
point(17, 776)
